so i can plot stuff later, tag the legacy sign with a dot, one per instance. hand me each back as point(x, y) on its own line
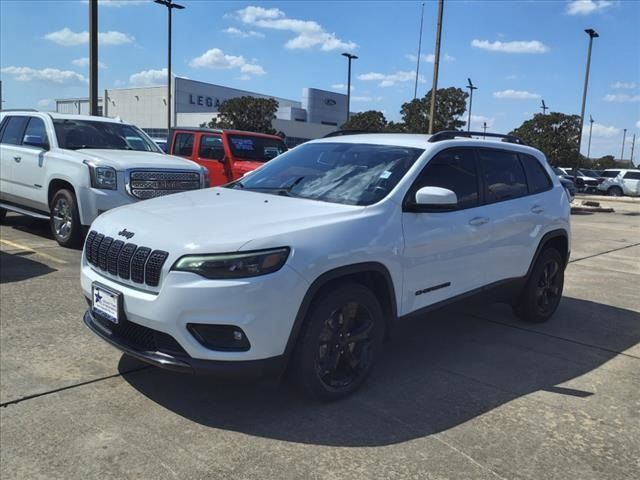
point(204, 101)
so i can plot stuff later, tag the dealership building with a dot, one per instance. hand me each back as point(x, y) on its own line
point(193, 103)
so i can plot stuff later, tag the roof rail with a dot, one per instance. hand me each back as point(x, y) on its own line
point(340, 133)
point(451, 134)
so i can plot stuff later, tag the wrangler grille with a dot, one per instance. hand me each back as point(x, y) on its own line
point(125, 260)
point(144, 184)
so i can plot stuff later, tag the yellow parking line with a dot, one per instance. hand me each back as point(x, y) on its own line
point(29, 249)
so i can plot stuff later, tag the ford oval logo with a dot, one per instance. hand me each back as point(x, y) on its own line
point(330, 101)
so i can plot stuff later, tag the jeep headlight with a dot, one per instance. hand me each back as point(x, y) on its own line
point(102, 177)
point(234, 265)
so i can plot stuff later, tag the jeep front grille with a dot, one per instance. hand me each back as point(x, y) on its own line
point(144, 184)
point(125, 260)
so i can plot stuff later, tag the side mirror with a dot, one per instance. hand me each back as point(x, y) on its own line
point(429, 199)
point(36, 141)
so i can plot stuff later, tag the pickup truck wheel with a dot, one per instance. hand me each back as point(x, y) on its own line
point(65, 220)
point(344, 331)
point(615, 192)
point(543, 290)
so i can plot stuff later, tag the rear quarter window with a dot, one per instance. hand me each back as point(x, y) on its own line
point(537, 178)
point(632, 176)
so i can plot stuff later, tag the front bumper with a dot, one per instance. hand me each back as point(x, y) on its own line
point(184, 363)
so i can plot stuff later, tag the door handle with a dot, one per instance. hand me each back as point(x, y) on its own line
point(537, 209)
point(17, 159)
point(477, 221)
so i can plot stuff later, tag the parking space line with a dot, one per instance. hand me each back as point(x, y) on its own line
point(603, 253)
point(29, 249)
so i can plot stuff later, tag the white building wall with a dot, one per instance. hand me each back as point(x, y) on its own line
point(145, 107)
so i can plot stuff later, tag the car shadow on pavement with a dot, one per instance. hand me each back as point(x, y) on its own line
point(33, 226)
point(17, 266)
point(437, 372)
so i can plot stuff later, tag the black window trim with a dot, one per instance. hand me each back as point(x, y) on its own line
point(409, 205)
point(526, 176)
point(24, 128)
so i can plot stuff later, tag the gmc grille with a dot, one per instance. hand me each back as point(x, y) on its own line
point(125, 260)
point(144, 184)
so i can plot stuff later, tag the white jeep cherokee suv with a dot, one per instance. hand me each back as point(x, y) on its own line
point(71, 168)
point(620, 181)
point(316, 256)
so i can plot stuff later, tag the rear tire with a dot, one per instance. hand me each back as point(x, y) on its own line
point(615, 192)
point(65, 219)
point(542, 292)
point(341, 338)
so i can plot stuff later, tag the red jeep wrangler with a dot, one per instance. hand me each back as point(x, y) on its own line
point(227, 154)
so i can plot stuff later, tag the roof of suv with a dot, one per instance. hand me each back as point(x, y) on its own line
point(62, 116)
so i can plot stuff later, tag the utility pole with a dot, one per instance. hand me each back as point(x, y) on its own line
point(544, 107)
point(170, 6)
point(592, 34)
point(471, 89)
point(624, 137)
point(633, 146)
point(436, 65)
point(350, 57)
point(590, 130)
point(484, 128)
point(93, 57)
point(415, 89)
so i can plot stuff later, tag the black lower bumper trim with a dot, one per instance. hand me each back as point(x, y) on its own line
point(218, 368)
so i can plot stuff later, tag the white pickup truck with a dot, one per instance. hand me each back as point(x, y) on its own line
point(71, 168)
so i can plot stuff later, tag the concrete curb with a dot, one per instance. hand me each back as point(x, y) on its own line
point(591, 210)
point(606, 198)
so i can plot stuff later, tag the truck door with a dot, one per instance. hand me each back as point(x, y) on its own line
point(211, 155)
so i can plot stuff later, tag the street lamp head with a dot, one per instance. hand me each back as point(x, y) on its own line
point(592, 33)
point(169, 4)
point(349, 56)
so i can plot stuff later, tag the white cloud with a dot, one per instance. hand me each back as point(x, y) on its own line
point(216, 59)
point(45, 102)
point(638, 124)
point(149, 77)
point(530, 46)
point(621, 98)
point(236, 32)
point(625, 85)
point(516, 95)
point(585, 7)
point(308, 33)
point(366, 99)
point(68, 38)
point(84, 62)
point(342, 86)
point(389, 80)
point(48, 75)
point(511, 77)
point(601, 131)
point(477, 122)
point(244, 77)
point(430, 57)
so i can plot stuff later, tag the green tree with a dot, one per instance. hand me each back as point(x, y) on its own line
point(608, 161)
point(369, 121)
point(451, 103)
point(246, 113)
point(555, 134)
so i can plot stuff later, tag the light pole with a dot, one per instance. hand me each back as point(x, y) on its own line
point(349, 58)
point(484, 128)
point(633, 146)
point(471, 89)
point(436, 66)
point(624, 137)
point(170, 6)
point(93, 57)
point(592, 34)
point(415, 89)
point(590, 130)
point(544, 107)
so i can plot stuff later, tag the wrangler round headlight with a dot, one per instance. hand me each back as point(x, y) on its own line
point(234, 265)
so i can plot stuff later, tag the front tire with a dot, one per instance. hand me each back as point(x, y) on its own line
point(543, 290)
point(341, 338)
point(615, 192)
point(65, 219)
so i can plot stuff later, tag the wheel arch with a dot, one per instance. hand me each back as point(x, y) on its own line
point(372, 275)
point(558, 239)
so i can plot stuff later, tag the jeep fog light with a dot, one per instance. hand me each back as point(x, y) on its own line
point(228, 338)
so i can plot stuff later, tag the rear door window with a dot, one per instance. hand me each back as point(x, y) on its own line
point(183, 144)
point(632, 176)
point(537, 177)
point(211, 147)
point(610, 173)
point(14, 130)
point(503, 175)
point(36, 132)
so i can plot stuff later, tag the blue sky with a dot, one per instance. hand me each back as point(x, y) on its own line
point(516, 52)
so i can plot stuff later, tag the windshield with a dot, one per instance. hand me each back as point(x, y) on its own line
point(348, 173)
point(557, 171)
point(610, 173)
point(257, 149)
point(77, 134)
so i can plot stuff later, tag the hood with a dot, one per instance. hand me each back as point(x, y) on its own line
point(124, 159)
point(217, 219)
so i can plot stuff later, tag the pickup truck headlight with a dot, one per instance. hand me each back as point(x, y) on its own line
point(205, 177)
point(102, 177)
point(234, 265)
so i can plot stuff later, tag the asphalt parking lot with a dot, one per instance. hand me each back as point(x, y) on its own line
point(466, 393)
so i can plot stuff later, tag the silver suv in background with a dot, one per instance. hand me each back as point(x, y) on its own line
point(620, 181)
point(71, 168)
